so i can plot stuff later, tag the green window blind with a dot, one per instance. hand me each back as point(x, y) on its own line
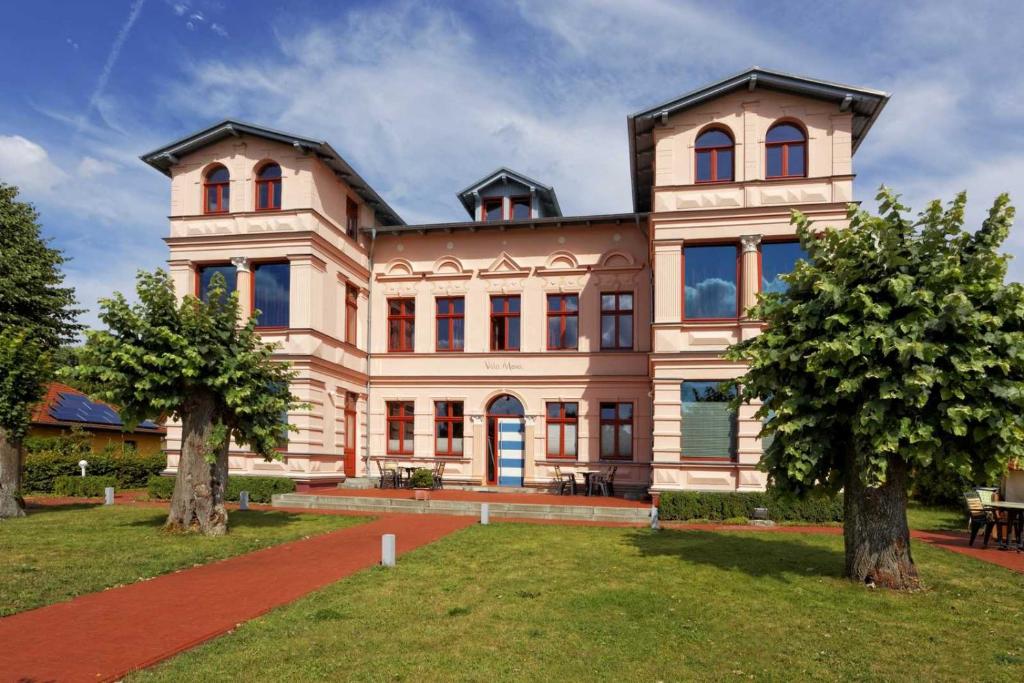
point(709, 426)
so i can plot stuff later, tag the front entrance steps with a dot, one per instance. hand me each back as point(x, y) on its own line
point(575, 508)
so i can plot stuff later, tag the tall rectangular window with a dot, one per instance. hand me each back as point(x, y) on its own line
point(451, 323)
point(521, 208)
point(271, 289)
point(709, 282)
point(351, 313)
point(493, 209)
point(617, 431)
point(562, 429)
point(448, 428)
point(777, 259)
point(400, 417)
point(401, 324)
point(204, 275)
point(563, 321)
point(617, 320)
point(351, 217)
point(505, 323)
point(709, 426)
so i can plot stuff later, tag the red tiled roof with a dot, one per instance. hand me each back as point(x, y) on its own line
point(41, 414)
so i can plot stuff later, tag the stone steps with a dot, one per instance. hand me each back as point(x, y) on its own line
point(498, 510)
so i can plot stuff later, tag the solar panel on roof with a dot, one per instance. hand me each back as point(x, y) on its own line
point(76, 408)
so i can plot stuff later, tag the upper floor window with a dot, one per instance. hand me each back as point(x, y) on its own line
point(448, 428)
point(786, 150)
point(493, 209)
point(204, 275)
point(617, 320)
point(268, 187)
point(715, 152)
point(401, 324)
point(217, 190)
point(563, 321)
point(505, 323)
point(710, 282)
point(451, 323)
point(351, 217)
point(521, 208)
point(351, 312)
point(271, 293)
point(777, 259)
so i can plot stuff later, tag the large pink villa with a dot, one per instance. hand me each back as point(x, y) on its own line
point(520, 339)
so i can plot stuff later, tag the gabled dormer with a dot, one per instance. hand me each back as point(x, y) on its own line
point(505, 195)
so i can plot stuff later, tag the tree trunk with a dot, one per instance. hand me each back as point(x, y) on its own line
point(875, 530)
point(11, 503)
point(198, 500)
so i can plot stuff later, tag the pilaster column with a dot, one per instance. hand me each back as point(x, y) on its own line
point(243, 285)
point(749, 273)
point(668, 287)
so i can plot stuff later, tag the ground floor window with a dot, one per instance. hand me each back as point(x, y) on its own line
point(617, 431)
point(709, 425)
point(400, 416)
point(448, 428)
point(562, 429)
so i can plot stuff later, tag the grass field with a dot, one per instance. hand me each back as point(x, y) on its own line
point(569, 603)
point(56, 553)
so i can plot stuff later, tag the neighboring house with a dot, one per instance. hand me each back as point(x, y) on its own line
point(64, 408)
point(521, 339)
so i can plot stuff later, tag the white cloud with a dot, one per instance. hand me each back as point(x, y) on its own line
point(27, 165)
point(219, 30)
point(89, 167)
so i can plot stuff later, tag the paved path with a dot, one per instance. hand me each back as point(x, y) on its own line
point(102, 636)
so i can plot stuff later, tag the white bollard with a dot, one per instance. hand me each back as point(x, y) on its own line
point(108, 495)
point(485, 513)
point(387, 550)
point(654, 519)
point(243, 500)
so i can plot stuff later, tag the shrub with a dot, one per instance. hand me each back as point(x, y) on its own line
point(422, 478)
point(260, 488)
point(721, 506)
point(130, 472)
point(82, 487)
point(77, 442)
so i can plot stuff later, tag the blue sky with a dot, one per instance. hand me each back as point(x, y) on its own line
point(423, 98)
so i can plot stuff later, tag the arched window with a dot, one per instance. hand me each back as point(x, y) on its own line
point(216, 190)
point(715, 154)
point(268, 187)
point(786, 150)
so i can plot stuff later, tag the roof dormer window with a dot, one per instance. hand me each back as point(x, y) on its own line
point(521, 208)
point(493, 209)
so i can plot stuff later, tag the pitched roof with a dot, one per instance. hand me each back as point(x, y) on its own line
point(864, 103)
point(65, 406)
point(546, 193)
point(163, 158)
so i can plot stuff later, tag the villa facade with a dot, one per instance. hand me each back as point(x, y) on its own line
point(520, 339)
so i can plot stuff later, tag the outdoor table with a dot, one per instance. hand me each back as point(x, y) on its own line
point(408, 475)
point(1014, 519)
point(587, 474)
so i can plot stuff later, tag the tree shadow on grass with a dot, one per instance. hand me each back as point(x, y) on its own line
point(756, 554)
point(237, 519)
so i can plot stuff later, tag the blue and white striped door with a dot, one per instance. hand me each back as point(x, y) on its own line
point(510, 451)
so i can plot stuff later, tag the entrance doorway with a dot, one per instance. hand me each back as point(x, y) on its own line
point(505, 441)
point(350, 434)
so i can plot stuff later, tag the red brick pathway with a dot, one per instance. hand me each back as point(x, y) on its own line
point(103, 636)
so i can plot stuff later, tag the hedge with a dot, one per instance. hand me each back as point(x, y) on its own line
point(716, 506)
point(82, 487)
point(129, 471)
point(260, 488)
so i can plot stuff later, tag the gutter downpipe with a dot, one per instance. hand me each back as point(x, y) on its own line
point(369, 348)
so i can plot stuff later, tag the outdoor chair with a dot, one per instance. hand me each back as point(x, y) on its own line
point(388, 476)
point(989, 494)
point(610, 478)
point(599, 482)
point(980, 518)
point(439, 475)
point(565, 482)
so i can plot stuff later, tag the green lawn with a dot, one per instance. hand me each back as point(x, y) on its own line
point(57, 553)
point(935, 518)
point(543, 603)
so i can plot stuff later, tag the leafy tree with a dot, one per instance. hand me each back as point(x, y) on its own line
point(193, 361)
point(897, 348)
point(37, 316)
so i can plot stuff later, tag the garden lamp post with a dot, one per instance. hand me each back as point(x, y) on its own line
point(82, 464)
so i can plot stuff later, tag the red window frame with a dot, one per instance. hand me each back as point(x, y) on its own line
point(563, 314)
point(405, 414)
point(449, 319)
point(521, 199)
point(273, 188)
point(221, 185)
point(402, 321)
point(617, 314)
point(500, 201)
point(351, 312)
point(714, 151)
point(618, 424)
point(506, 314)
point(451, 419)
point(561, 421)
point(351, 217)
point(682, 276)
point(785, 146)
